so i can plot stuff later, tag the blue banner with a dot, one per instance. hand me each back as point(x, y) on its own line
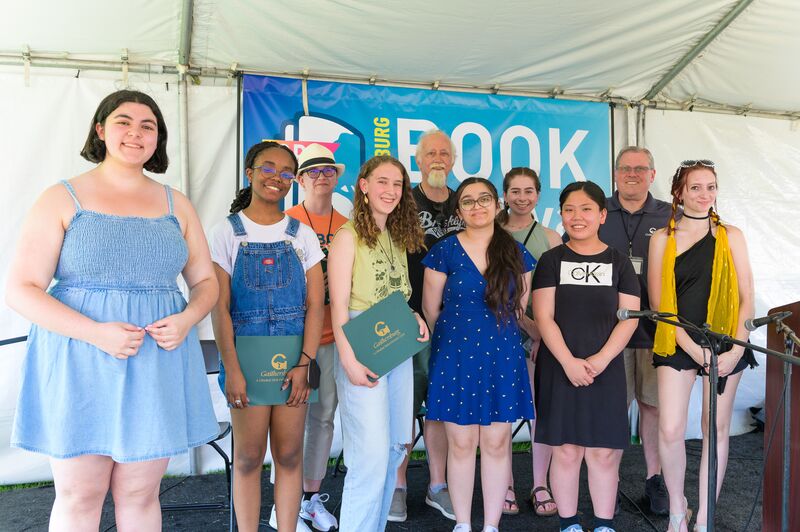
point(563, 140)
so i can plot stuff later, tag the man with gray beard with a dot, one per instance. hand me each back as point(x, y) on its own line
point(435, 158)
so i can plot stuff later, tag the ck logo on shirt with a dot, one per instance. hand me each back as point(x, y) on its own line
point(587, 273)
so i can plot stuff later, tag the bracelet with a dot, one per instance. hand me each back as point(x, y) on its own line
point(306, 355)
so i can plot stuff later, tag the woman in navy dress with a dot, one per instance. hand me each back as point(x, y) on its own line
point(476, 284)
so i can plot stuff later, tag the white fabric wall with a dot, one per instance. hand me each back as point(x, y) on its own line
point(757, 162)
point(756, 159)
point(44, 126)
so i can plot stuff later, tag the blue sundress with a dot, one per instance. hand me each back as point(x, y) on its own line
point(77, 400)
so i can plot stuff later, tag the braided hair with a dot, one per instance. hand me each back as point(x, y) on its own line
point(244, 195)
point(678, 183)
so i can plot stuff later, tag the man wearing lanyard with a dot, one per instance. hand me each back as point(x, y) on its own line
point(633, 216)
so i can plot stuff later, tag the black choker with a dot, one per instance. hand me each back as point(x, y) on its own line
point(696, 217)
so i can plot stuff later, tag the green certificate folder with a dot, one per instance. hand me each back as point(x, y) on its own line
point(265, 360)
point(385, 335)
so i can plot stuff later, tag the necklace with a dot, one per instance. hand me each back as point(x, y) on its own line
point(310, 223)
point(389, 258)
point(696, 217)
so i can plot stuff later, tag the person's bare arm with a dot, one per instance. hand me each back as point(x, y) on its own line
point(32, 270)
point(170, 331)
point(341, 256)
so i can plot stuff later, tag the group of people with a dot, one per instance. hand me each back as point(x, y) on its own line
point(522, 324)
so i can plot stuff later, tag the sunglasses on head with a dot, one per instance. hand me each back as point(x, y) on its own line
point(699, 162)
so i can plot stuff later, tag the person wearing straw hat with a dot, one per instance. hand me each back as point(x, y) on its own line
point(318, 173)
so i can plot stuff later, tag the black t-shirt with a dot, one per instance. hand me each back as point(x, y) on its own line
point(630, 233)
point(587, 294)
point(438, 219)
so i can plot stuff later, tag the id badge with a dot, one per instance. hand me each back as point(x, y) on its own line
point(638, 263)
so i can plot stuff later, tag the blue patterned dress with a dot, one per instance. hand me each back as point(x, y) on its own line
point(76, 399)
point(478, 373)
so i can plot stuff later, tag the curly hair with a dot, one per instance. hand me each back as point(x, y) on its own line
point(678, 182)
point(504, 262)
point(403, 221)
point(244, 195)
point(502, 217)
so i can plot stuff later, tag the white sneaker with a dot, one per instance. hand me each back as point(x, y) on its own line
point(273, 522)
point(314, 510)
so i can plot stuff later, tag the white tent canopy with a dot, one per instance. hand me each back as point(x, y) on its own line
point(732, 54)
point(656, 60)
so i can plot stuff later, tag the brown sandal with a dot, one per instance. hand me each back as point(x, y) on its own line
point(510, 506)
point(539, 506)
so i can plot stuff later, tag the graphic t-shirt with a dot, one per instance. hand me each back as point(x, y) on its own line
point(325, 226)
point(437, 219)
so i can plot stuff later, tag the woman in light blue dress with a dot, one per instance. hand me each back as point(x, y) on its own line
point(114, 381)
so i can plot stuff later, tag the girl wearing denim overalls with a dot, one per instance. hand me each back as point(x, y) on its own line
point(366, 263)
point(268, 267)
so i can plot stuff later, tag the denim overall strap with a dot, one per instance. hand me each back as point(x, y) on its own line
point(72, 193)
point(236, 223)
point(268, 287)
point(292, 227)
point(169, 199)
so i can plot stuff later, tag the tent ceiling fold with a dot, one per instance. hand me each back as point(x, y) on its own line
point(617, 48)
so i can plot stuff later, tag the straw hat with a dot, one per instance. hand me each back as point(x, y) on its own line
point(315, 155)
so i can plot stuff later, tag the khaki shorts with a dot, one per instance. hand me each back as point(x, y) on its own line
point(640, 376)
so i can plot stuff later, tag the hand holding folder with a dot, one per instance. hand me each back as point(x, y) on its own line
point(265, 361)
point(385, 335)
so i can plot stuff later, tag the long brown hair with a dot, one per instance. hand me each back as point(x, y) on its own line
point(678, 182)
point(504, 262)
point(502, 217)
point(403, 221)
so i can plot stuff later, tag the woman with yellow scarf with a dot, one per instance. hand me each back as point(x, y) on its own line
point(699, 270)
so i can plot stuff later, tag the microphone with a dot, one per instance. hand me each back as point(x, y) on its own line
point(753, 324)
point(625, 314)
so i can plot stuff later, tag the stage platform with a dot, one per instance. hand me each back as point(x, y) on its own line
point(27, 509)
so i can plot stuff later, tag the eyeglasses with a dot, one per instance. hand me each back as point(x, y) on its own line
point(699, 162)
point(268, 171)
point(641, 170)
point(327, 171)
point(469, 203)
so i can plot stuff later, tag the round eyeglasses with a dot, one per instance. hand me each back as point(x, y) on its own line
point(327, 171)
point(268, 171)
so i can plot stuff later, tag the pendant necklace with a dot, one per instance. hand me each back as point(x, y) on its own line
point(389, 258)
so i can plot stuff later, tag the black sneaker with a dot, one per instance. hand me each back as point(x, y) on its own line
point(656, 493)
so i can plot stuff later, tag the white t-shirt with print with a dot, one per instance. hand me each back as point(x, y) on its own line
point(225, 244)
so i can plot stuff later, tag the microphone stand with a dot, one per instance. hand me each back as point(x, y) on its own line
point(790, 340)
point(713, 379)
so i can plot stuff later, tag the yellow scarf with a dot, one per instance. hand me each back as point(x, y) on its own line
point(723, 303)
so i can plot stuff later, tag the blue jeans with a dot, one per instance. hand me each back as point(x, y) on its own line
point(376, 426)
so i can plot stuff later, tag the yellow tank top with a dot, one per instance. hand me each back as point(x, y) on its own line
point(378, 271)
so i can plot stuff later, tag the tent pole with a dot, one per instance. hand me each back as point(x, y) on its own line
point(183, 87)
point(697, 48)
point(183, 120)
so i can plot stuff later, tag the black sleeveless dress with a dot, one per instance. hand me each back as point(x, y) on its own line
point(693, 288)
